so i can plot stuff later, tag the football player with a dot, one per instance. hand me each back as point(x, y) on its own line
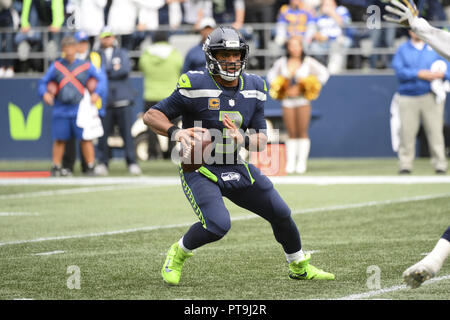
point(407, 14)
point(427, 268)
point(224, 98)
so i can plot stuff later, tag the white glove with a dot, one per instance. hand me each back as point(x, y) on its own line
point(405, 12)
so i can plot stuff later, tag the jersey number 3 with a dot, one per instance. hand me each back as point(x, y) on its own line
point(229, 147)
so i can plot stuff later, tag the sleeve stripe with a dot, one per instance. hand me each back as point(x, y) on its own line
point(201, 93)
point(254, 94)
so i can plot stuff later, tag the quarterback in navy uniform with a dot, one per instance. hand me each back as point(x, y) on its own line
point(223, 98)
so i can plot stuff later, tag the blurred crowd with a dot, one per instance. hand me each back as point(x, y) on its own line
point(329, 27)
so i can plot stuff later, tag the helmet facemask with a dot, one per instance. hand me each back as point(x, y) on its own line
point(228, 71)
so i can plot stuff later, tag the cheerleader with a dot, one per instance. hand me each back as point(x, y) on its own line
point(296, 80)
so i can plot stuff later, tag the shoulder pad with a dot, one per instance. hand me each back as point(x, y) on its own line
point(257, 81)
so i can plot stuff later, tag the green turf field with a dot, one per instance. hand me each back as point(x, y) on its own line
point(112, 235)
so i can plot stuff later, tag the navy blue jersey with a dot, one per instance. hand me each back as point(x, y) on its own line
point(201, 101)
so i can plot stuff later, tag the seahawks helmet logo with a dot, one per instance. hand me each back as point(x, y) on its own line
point(230, 176)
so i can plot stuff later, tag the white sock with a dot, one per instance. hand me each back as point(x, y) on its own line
point(291, 154)
point(304, 145)
point(296, 256)
point(435, 259)
point(181, 245)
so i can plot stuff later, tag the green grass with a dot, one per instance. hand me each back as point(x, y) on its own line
point(246, 264)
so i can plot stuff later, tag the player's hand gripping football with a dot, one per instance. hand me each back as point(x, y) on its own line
point(233, 131)
point(404, 12)
point(187, 136)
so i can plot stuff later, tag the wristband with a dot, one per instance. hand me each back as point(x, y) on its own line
point(171, 131)
point(247, 142)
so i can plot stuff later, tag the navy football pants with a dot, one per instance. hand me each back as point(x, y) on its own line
point(446, 234)
point(206, 198)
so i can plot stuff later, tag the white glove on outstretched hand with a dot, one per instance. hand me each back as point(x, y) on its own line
point(405, 12)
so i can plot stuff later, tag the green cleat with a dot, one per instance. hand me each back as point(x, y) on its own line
point(171, 270)
point(302, 270)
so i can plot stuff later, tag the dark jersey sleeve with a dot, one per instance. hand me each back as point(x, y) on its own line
point(172, 106)
point(258, 121)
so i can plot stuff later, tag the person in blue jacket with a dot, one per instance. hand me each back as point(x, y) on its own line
point(421, 73)
point(70, 75)
point(120, 100)
point(195, 58)
point(84, 53)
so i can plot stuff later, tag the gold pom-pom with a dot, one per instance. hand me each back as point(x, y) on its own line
point(278, 88)
point(310, 87)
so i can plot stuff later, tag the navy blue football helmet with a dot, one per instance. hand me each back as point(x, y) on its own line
point(225, 38)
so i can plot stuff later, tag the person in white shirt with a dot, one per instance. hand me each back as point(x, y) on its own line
point(127, 16)
point(89, 16)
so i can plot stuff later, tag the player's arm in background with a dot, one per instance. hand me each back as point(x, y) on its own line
point(258, 132)
point(438, 39)
point(405, 13)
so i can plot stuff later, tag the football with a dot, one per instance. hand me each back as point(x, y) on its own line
point(52, 88)
point(195, 156)
point(91, 84)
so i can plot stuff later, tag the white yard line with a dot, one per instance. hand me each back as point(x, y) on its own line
point(375, 203)
point(330, 180)
point(93, 181)
point(49, 253)
point(118, 183)
point(246, 217)
point(51, 193)
point(369, 294)
point(88, 235)
point(15, 214)
point(174, 180)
